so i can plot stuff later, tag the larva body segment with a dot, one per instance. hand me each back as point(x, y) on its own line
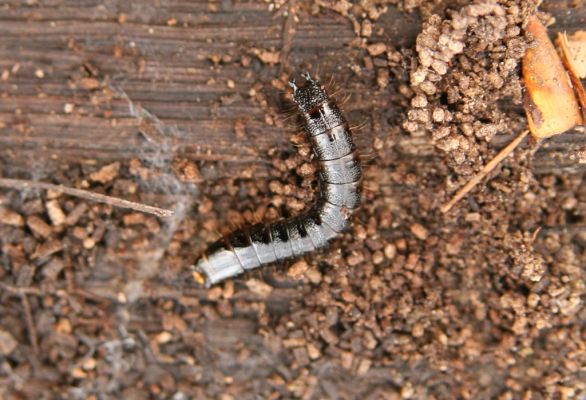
point(339, 179)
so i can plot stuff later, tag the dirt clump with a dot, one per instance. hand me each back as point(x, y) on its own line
point(467, 66)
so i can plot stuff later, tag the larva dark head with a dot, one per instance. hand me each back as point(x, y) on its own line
point(309, 96)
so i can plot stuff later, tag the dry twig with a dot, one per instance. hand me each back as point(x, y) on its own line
point(32, 331)
point(21, 184)
point(484, 171)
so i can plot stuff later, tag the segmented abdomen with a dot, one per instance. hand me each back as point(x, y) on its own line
point(339, 180)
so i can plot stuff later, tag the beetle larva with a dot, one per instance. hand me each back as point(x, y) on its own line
point(339, 179)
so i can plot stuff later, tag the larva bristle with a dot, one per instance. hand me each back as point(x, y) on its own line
point(358, 128)
point(256, 217)
point(249, 218)
point(288, 117)
point(331, 86)
point(339, 181)
point(367, 158)
point(218, 232)
point(346, 98)
point(367, 188)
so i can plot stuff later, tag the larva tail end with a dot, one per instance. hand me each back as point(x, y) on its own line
point(199, 276)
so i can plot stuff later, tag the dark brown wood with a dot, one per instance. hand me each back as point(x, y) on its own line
point(155, 66)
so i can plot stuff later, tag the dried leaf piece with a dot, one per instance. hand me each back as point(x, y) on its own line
point(573, 54)
point(551, 105)
point(575, 51)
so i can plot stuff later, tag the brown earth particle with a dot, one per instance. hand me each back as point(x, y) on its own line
point(377, 144)
point(134, 219)
point(407, 391)
point(412, 260)
point(240, 128)
point(306, 169)
point(369, 340)
point(205, 206)
point(9, 217)
point(298, 269)
point(89, 364)
point(390, 251)
point(313, 351)
point(63, 326)
point(7, 343)
point(473, 217)
point(419, 101)
point(419, 231)
point(313, 275)
point(382, 78)
point(79, 232)
point(347, 360)
point(376, 49)
point(366, 28)
point(53, 268)
point(377, 257)
point(55, 212)
point(532, 300)
point(34, 206)
point(75, 214)
point(363, 366)
point(294, 342)
point(259, 287)
point(89, 243)
point(329, 336)
point(267, 56)
point(186, 170)
point(418, 330)
point(46, 249)
point(163, 337)
point(89, 83)
point(214, 293)
point(301, 356)
point(438, 115)
point(38, 226)
point(107, 173)
point(355, 258)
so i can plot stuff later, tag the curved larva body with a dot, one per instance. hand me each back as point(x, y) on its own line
point(339, 195)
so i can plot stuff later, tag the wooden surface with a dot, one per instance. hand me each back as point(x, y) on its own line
point(159, 94)
point(155, 71)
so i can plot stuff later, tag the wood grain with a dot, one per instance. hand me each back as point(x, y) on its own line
point(154, 65)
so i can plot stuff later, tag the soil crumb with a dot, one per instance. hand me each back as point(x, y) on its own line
point(467, 66)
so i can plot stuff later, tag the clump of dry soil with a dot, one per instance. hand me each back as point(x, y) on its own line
point(467, 67)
